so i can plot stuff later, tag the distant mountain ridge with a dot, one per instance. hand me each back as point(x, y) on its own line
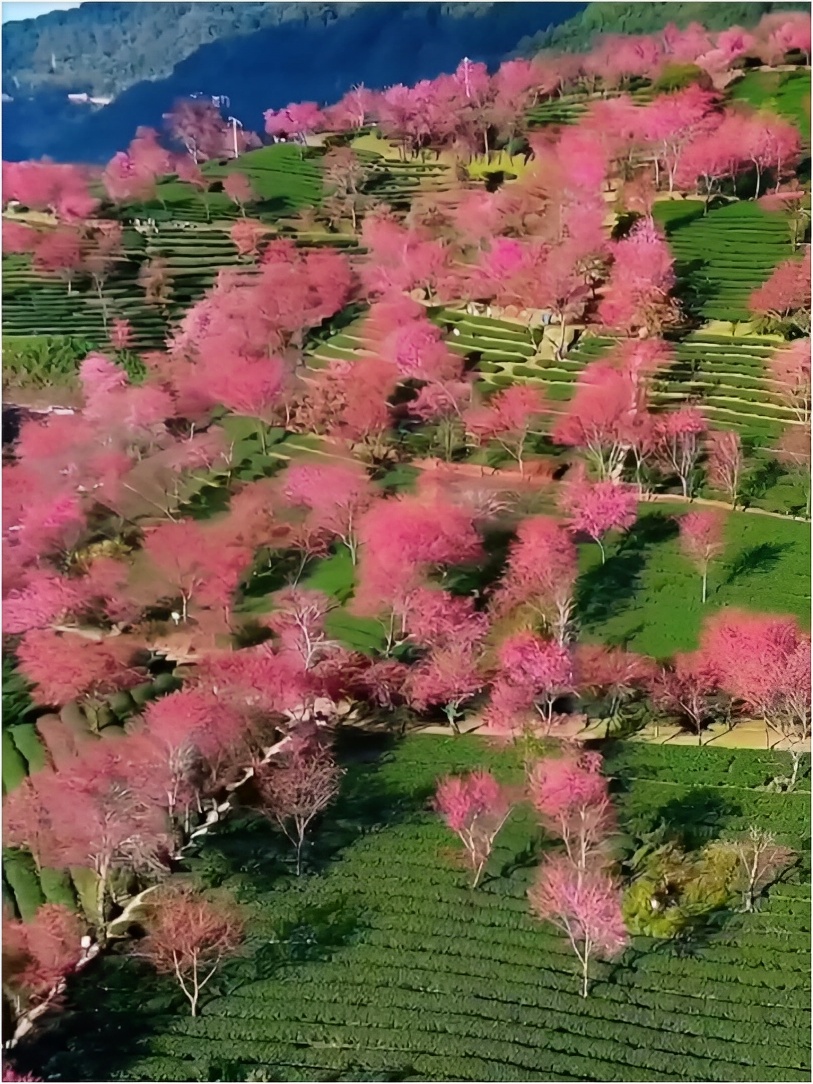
point(104, 48)
point(301, 59)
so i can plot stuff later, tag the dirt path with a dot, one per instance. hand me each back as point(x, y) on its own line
point(749, 734)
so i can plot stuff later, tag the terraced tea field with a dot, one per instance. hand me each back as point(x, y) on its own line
point(381, 964)
point(569, 108)
point(284, 177)
point(722, 256)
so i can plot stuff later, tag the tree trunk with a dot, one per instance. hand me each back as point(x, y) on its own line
point(705, 585)
point(585, 960)
point(603, 554)
point(300, 840)
point(101, 899)
point(450, 711)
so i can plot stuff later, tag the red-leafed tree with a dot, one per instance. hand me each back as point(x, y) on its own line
point(199, 127)
point(121, 334)
point(701, 539)
point(60, 189)
point(12, 1074)
point(690, 689)
point(509, 418)
point(19, 238)
point(100, 811)
point(247, 235)
point(197, 564)
point(64, 667)
point(128, 180)
point(297, 120)
point(298, 620)
point(606, 417)
point(594, 508)
point(194, 736)
point(764, 662)
point(345, 175)
point(402, 542)
point(189, 936)
point(39, 954)
point(792, 201)
point(448, 676)
point(474, 807)
point(724, 462)
point(295, 788)
point(46, 599)
point(572, 798)
point(710, 158)
point(612, 673)
point(786, 32)
point(102, 254)
point(585, 907)
point(794, 453)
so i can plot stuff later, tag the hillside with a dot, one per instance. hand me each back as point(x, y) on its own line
point(578, 33)
point(105, 48)
point(110, 47)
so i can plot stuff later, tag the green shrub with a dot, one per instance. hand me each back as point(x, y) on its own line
point(57, 887)
point(15, 768)
point(23, 879)
point(678, 76)
point(28, 743)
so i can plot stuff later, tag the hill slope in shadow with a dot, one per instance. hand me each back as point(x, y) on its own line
point(378, 45)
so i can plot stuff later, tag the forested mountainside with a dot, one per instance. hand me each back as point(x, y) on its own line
point(578, 33)
point(306, 58)
point(105, 48)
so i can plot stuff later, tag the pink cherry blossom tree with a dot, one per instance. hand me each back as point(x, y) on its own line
point(540, 576)
point(701, 539)
point(594, 508)
point(533, 674)
point(680, 444)
point(571, 795)
point(335, 496)
point(790, 374)
point(690, 688)
point(474, 807)
point(638, 294)
point(509, 418)
point(724, 462)
point(585, 907)
point(449, 677)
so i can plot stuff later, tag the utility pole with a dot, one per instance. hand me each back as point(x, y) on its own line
point(235, 124)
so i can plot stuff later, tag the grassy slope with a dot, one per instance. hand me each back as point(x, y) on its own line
point(647, 595)
point(385, 966)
